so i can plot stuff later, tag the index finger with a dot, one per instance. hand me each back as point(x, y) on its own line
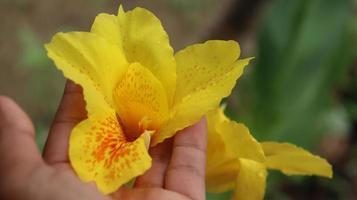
point(70, 112)
point(186, 171)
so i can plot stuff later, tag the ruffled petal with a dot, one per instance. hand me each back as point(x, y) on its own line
point(238, 141)
point(192, 103)
point(99, 152)
point(218, 151)
point(142, 38)
point(227, 142)
point(200, 64)
point(221, 177)
point(293, 160)
point(88, 60)
point(251, 181)
point(141, 101)
point(108, 27)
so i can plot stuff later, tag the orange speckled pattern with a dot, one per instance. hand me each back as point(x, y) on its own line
point(104, 154)
point(127, 68)
point(141, 101)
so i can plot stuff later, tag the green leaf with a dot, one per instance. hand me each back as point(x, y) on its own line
point(303, 50)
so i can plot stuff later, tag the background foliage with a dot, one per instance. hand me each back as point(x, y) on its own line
point(301, 87)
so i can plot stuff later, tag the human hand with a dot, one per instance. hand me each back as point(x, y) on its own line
point(177, 172)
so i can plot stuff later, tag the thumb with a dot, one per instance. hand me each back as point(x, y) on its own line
point(18, 150)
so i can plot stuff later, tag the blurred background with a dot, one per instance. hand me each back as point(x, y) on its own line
point(301, 87)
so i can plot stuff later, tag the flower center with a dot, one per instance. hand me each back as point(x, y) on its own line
point(140, 101)
point(133, 131)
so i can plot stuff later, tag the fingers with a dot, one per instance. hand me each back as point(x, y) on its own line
point(155, 176)
point(23, 174)
point(18, 149)
point(186, 171)
point(147, 194)
point(70, 112)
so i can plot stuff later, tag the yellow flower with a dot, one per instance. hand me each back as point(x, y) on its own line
point(137, 90)
point(235, 160)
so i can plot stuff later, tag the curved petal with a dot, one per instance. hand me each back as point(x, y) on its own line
point(292, 160)
point(142, 38)
point(107, 26)
point(221, 166)
point(239, 141)
point(99, 152)
point(218, 151)
point(221, 177)
point(141, 101)
point(227, 142)
point(200, 101)
point(251, 181)
point(199, 64)
point(88, 60)
point(237, 138)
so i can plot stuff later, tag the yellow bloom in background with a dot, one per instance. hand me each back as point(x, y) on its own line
point(136, 90)
point(236, 161)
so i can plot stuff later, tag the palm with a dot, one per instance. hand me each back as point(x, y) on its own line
point(177, 171)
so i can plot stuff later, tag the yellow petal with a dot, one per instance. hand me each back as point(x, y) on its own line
point(251, 181)
point(238, 141)
point(141, 101)
point(142, 38)
point(108, 27)
point(292, 160)
point(88, 60)
point(99, 152)
point(221, 177)
point(218, 151)
point(206, 95)
point(227, 142)
point(221, 166)
point(199, 64)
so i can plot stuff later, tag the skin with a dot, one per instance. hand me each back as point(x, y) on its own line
point(177, 172)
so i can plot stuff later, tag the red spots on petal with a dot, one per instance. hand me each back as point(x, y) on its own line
point(98, 138)
point(110, 148)
point(128, 163)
